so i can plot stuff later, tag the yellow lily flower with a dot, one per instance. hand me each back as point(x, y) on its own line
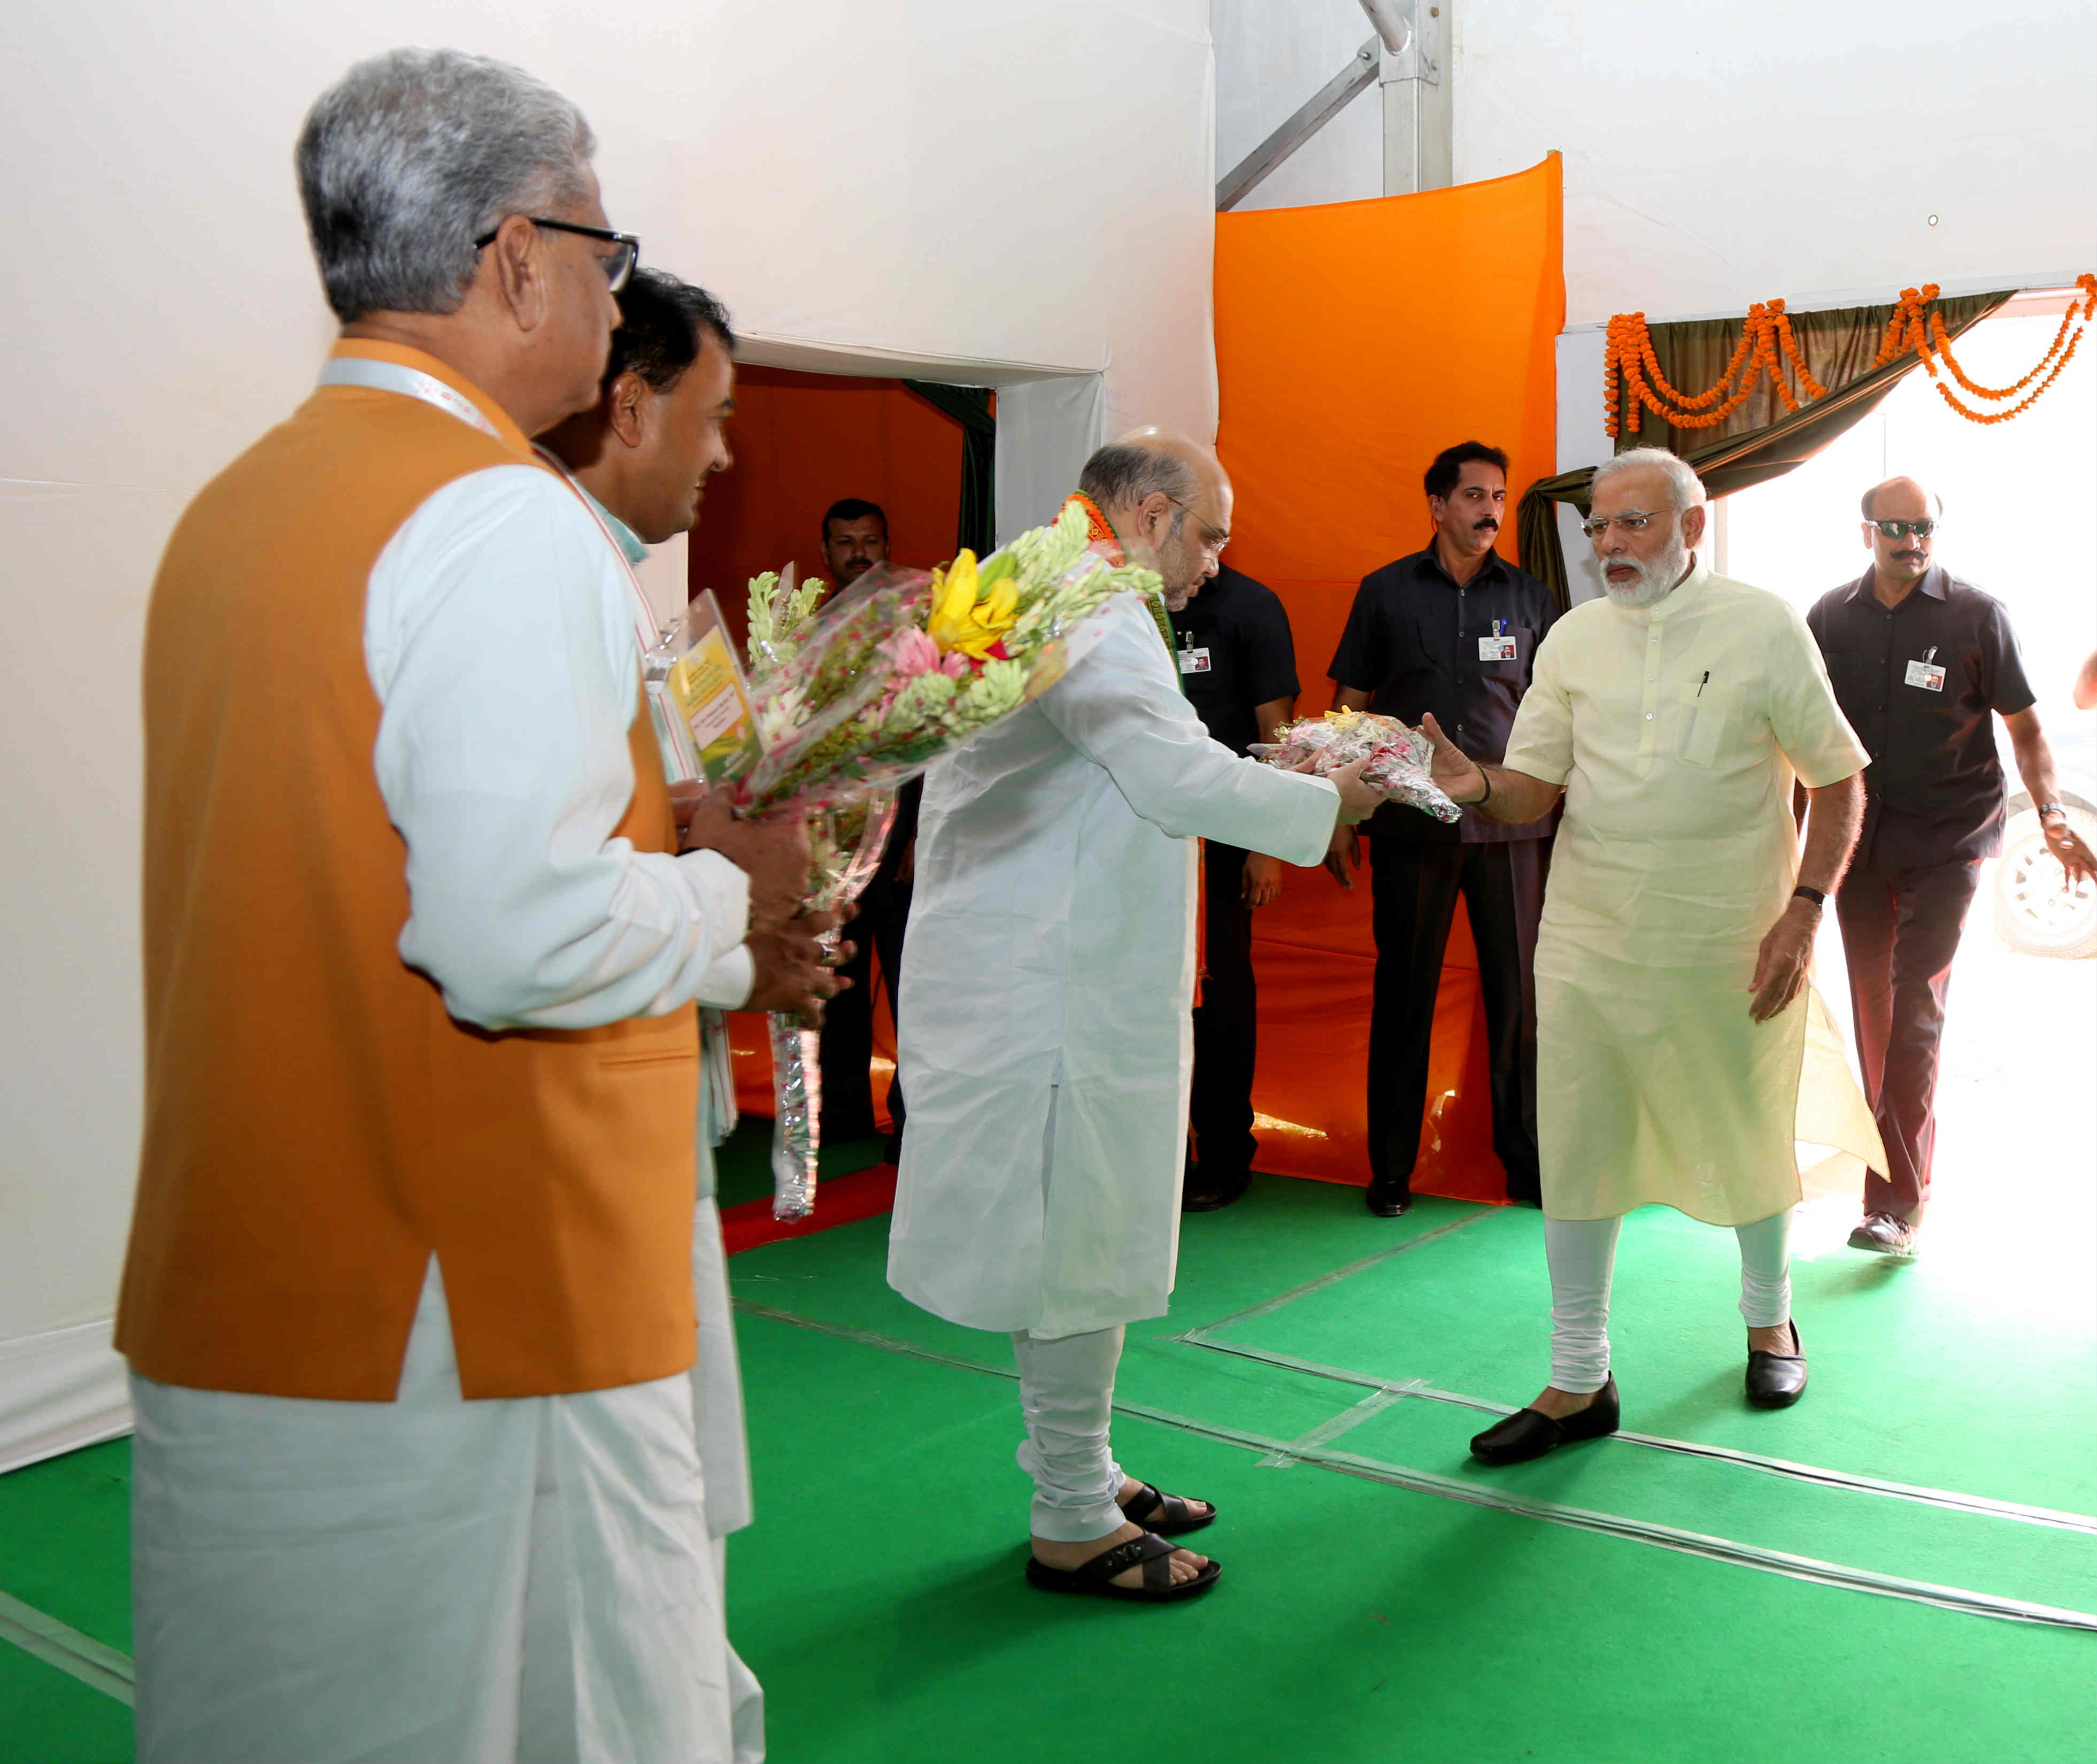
point(959, 621)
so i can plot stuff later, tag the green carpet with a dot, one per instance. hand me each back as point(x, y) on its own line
point(879, 1596)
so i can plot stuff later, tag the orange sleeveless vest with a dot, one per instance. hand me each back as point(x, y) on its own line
point(317, 1125)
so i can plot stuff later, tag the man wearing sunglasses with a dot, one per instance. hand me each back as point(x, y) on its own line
point(1922, 663)
point(408, 1297)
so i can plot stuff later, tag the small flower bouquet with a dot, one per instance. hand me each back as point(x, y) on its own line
point(1399, 757)
point(855, 698)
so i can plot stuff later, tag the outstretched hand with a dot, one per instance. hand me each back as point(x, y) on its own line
point(1460, 778)
point(1358, 800)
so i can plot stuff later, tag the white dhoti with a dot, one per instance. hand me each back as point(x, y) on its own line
point(528, 1579)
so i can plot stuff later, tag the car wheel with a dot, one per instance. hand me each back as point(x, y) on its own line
point(2034, 915)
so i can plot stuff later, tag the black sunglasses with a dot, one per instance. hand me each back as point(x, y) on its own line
point(1902, 529)
point(617, 267)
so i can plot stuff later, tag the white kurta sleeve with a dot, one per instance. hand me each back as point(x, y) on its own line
point(1540, 746)
point(497, 639)
point(1122, 708)
point(726, 986)
point(1805, 719)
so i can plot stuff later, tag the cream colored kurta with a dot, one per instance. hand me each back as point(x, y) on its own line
point(1676, 731)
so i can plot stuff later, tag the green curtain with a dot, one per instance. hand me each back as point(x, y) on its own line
point(971, 406)
point(1759, 441)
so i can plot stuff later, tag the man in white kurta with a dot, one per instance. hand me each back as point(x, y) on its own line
point(642, 456)
point(431, 1576)
point(1047, 1052)
point(1682, 1051)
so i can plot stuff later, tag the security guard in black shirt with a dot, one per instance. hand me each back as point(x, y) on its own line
point(1452, 629)
point(1922, 663)
point(1237, 661)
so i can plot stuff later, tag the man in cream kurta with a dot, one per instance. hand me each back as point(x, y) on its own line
point(1047, 1050)
point(1682, 1053)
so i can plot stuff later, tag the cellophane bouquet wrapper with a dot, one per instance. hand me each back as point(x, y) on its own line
point(1399, 756)
point(854, 699)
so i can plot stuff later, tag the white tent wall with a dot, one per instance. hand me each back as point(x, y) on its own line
point(966, 181)
point(1715, 156)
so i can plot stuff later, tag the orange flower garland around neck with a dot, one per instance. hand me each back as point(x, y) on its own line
point(1631, 376)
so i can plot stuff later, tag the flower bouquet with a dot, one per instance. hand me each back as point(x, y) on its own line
point(1399, 757)
point(855, 698)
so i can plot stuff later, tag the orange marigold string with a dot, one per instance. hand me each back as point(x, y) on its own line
point(1632, 378)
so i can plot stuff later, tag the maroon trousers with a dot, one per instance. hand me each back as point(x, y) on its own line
point(1900, 931)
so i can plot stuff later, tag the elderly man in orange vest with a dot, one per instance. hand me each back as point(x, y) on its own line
point(408, 1302)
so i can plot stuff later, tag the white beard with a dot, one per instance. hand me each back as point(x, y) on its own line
point(1657, 577)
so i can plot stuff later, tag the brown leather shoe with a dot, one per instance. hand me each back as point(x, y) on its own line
point(1885, 1235)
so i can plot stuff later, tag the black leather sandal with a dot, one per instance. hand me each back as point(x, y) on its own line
point(1168, 1515)
point(1149, 1553)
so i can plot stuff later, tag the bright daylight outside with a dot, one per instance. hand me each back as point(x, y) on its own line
point(2020, 521)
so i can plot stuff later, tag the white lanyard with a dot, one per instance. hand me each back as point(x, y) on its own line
point(645, 627)
point(410, 382)
point(413, 382)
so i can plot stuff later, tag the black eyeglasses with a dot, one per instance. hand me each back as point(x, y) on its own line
point(617, 267)
point(1635, 521)
point(1902, 529)
point(1212, 540)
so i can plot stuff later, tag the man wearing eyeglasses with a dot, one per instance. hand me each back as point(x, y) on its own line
point(408, 1297)
point(1682, 1053)
point(1922, 662)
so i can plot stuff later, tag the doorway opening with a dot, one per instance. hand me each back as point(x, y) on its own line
point(2020, 521)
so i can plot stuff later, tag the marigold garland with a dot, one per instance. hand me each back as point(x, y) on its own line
point(1631, 375)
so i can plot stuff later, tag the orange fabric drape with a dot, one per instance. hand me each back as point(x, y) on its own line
point(802, 441)
point(1353, 342)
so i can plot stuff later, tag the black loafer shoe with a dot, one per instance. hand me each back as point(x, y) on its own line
point(1884, 1235)
point(1777, 1380)
point(1392, 1199)
point(1529, 1433)
point(1204, 1194)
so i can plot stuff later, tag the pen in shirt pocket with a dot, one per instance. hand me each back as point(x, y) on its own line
point(1704, 682)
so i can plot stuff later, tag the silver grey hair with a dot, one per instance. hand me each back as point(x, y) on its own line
point(1688, 487)
point(413, 154)
point(1121, 473)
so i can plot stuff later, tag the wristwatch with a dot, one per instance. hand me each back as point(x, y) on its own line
point(2044, 809)
point(1801, 892)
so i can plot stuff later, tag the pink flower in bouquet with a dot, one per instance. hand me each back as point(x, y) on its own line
point(912, 653)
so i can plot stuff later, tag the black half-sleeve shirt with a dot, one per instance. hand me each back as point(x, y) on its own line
point(1921, 683)
point(1415, 642)
point(1236, 652)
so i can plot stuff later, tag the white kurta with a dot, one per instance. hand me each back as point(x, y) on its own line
point(1047, 1049)
point(1677, 730)
point(434, 1578)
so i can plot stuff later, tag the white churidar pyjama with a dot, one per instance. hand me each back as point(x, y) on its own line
point(1066, 1394)
point(1582, 1252)
point(522, 1579)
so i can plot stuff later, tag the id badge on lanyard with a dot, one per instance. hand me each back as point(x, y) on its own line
point(1927, 673)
